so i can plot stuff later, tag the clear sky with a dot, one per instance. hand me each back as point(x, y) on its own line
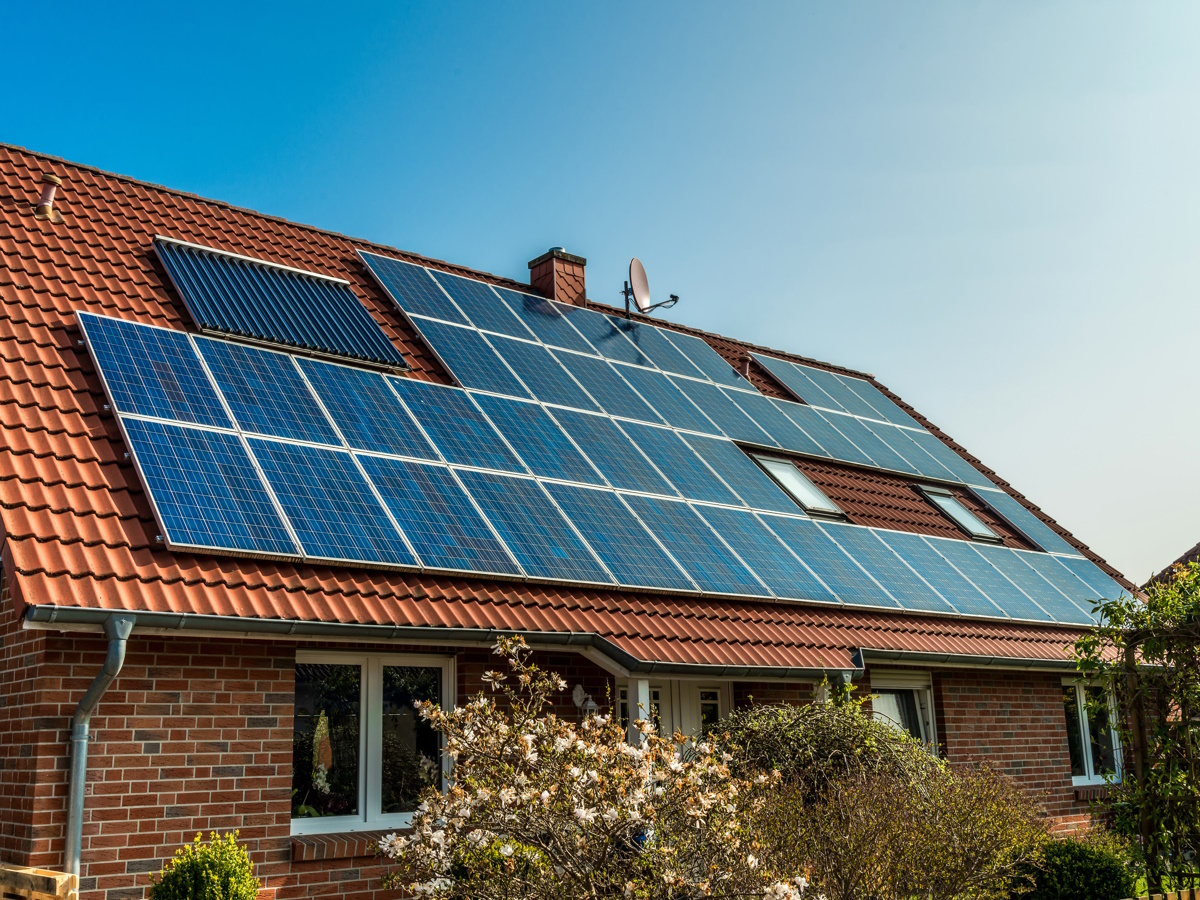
point(994, 207)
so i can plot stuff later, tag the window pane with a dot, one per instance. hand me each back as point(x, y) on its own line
point(797, 484)
point(710, 710)
point(411, 748)
point(899, 708)
point(962, 516)
point(1104, 758)
point(325, 740)
point(1074, 738)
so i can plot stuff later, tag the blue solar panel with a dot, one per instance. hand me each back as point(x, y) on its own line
point(545, 448)
point(546, 379)
point(602, 334)
point(840, 391)
point(820, 428)
point(257, 299)
point(751, 483)
point(769, 418)
point(763, 552)
point(438, 517)
point(1002, 592)
point(886, 407)
point(412, 288)
point(1094, 577)
point(793, 378)
point(533, 528)
point(1026, 522)
point(880, 453)
point(266, 393)
point(683, 468)
point(708, 360)
point(631, 554)
point(947, 580)
point(958, 467)
point(691, 541)
point(152, 371)
point(1046, 595)
point(887, 568)
point(206, 491)
point(652, 342)
point(1051, 568)
point(366, 410)
point(661, 392)
point(839, 572)
point(899, 440)
point(470, 359)
point(543, 318)
point(797, 440)
point(456, 427)
point(724, 412)
point(330, 504)
point(612, 452)
point(599, 377)
point(482, 305)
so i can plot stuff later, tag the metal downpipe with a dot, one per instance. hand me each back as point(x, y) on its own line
point(116, 628)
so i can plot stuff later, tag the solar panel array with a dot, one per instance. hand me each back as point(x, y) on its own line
point(581, 450)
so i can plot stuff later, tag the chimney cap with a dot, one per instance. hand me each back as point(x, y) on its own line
point(558, 253)
point(48, 178)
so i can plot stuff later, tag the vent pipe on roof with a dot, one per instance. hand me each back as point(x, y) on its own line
point(45, 205)
point(559, 275)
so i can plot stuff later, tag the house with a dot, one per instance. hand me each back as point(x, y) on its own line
point(1187, 557)
point(248, 519)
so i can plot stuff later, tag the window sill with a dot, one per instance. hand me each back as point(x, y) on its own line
point(344, 845)
point(1088, 792)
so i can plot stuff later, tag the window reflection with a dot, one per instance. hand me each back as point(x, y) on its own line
point(325, 740)
point(411, 748)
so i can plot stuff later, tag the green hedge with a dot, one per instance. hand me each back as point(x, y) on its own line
point(1081, 869)
point(218, 870)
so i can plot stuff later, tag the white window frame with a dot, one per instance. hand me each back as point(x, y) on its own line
point(956, 511)
point(679, 703)
point(921, 685)
point(370, 751)
point(1091, 778)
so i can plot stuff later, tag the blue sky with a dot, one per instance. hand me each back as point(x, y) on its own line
point(994, 207)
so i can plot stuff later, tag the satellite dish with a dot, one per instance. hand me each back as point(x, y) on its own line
point(637, 289)
point(639, 285)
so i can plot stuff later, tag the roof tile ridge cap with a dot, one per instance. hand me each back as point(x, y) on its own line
point(225, 204)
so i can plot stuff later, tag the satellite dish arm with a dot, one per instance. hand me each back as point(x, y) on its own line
point(627, 293)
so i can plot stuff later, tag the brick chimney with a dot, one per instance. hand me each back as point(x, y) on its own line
point(558, 275)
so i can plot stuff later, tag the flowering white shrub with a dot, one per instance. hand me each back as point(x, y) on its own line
point(539, 807)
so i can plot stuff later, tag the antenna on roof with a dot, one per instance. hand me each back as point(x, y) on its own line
point(637, 289)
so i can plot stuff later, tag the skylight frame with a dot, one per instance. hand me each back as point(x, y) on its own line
point(956, 511)
point(801, 489)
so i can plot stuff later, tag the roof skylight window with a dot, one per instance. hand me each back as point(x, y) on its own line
point(962, 517)
point(796, 483)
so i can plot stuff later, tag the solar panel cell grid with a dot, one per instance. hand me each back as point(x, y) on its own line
point(793, 378)
point(438, 517)
point(619, 539)
point(206, 490)
point(763, 552)
point(901, 441)
point(546, 379)
point(457, 428)
point(961, 469)
point(602, 334)
point(797, 439)
point(266, 393)
point(769, 418)
point(708, 360)
point(330, 504)
point(366, 410)
point(683, 468)
point(533, 528)
point(537, 438)
point(879, 401)
point(691, 541)
point(152, 371)
point(887, 568)
point(600, 378)
point(1002, 592)
point(819, 426)
point(612, 452)
point(661, 393)
point(470, 359)
point(839, 572)
point(652, 342)
point(1083, 595)
point(412, 288)
point(947, 580)
point(841, 392)
point(482, 305)
point(748, 481)
point(880, 453)
point(1026, 522)
point(727, 415)
point(1048, 597)
point(1092, 575)
point(543, 318)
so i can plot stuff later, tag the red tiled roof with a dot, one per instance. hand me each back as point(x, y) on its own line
point(78, 528)
point(1190, 556)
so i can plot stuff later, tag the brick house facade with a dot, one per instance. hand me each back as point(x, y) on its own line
point(196, 732)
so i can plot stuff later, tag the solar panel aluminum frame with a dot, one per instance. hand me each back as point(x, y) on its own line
point(263, 342)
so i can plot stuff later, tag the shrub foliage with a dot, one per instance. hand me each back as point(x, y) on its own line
point(1094, 867)
point(218, 870)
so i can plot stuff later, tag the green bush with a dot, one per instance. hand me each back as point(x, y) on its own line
point(1094, 867)
point(218, 870)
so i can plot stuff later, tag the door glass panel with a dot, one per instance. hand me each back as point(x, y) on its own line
point(1074, 737)
point(411, 748)
point(710, 710)
point(325, 740)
